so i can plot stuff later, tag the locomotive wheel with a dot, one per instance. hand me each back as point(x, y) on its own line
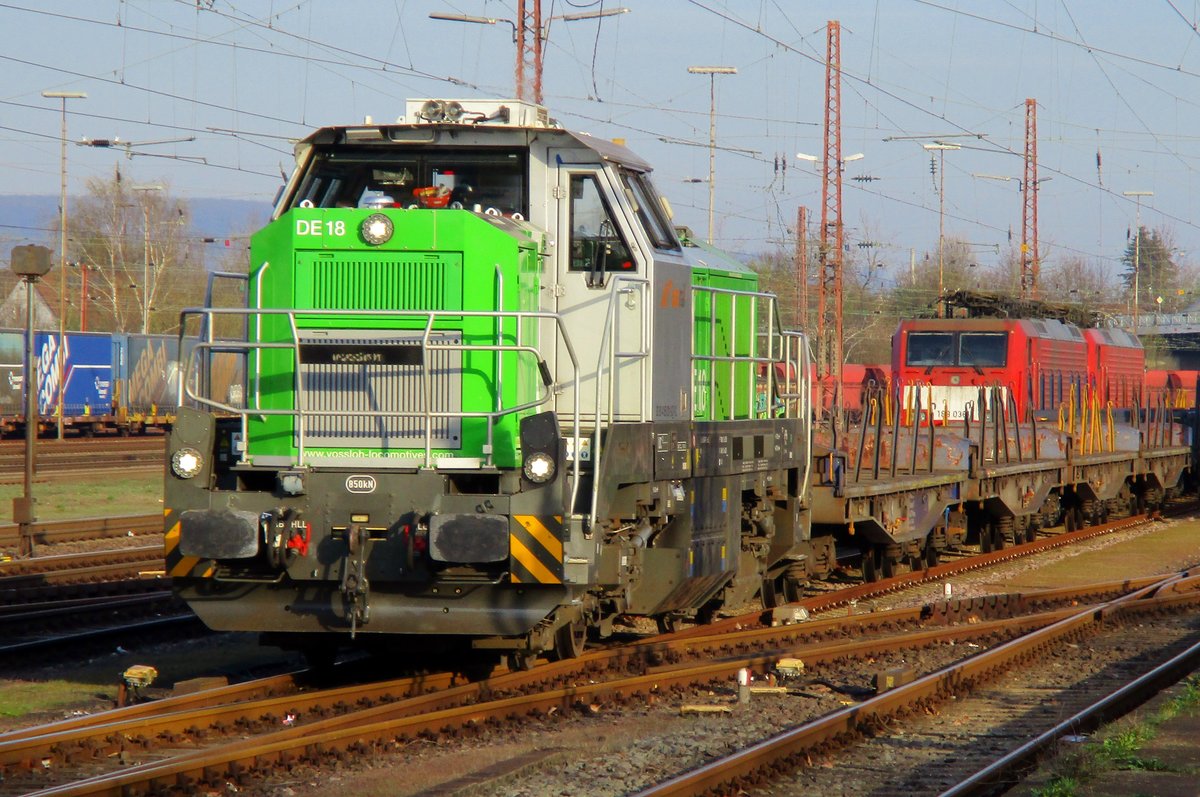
point(569, 640)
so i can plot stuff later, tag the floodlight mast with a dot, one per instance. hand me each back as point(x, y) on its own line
point(712, 72)
point(62, 247)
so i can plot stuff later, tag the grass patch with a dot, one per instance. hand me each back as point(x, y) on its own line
point(22, 698)
point(90, 684)
point(107, 493)
point(1117, 748)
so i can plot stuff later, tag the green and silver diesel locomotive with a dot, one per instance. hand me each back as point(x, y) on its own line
point(492, 399)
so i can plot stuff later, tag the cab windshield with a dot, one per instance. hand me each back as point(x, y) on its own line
point(357, 177)
point(967, 349)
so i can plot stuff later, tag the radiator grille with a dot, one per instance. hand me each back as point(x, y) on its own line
point(347, 388)
point(414, 282)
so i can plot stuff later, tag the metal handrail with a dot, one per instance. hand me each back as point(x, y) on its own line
point(609, 354)
point(427, 413)
point(775, 345)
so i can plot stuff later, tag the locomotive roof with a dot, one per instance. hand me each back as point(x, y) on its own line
point(500, 118)
point(1033, 327)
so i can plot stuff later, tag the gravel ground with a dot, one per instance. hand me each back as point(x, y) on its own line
point(619, 751)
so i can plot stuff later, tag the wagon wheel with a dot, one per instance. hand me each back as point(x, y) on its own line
point(1031, 530)
point(872, 563)
point(793, 589)
point(987, 537)
point(569, 640)
point(1070, 520)
point(769, 593)
point(929, 556)
point(887, 565)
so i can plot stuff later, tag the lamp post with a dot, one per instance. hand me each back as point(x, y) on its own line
point(541, 34)
point(62, 246)
point(145, 190)
point(1137, 251)
point(941, 148)
point(30, 263)
point(712, 72)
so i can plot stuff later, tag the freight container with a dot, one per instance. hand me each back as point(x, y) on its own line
point(86, 380)
point(145, 371)
point(12, 374)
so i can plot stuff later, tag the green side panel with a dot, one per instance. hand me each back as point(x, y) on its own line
point(725, 327)
point(443, 260)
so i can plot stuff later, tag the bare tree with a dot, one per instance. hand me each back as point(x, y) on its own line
point(140, 263)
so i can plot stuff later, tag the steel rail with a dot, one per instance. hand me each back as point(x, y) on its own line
point(77, 560)
point(652, 652)
point(786, 750)
point(247, 690)
point(382, 725)
point(21, 616)
point(47, 532)
point(1001, 775)
point(73, 638)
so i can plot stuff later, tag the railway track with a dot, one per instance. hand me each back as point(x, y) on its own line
point(312, 727)
point(50, 532)
point(59, 458)
point(991, 709)
point(23, 580)
point(702, 657)
point(318, 726)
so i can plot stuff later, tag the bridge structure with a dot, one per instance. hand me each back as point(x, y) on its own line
point(1178, 333)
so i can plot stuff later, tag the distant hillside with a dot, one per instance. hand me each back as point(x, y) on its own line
point(30, 219)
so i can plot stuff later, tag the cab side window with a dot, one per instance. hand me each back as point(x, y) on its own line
point(597, 246)
point(649, 209)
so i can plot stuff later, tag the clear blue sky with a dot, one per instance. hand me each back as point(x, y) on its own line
point(246, 76)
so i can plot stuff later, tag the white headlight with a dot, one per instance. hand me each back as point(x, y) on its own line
point(539, 468)
point(186, 463)
point(376, 229)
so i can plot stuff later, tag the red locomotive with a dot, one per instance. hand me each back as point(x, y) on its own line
point(1038, 364)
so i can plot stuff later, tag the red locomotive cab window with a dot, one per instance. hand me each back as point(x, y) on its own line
point(929, 348)
point(983, 349)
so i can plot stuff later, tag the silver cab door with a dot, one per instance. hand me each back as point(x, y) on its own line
point(601, 292)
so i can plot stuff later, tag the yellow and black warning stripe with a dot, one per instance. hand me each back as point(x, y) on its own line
point(535, 549)
point(176, 563)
